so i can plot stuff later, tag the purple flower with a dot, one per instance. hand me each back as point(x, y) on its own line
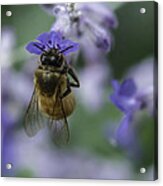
point(124, 96)
point(133, 95)
point(145, 83)
point(126, 99)
point(86, 20)
point(126, 136)
point(51, 40)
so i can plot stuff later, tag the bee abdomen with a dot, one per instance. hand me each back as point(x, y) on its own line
point(69, 104)
point(56, 109)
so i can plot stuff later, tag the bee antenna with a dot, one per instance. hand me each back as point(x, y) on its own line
point(62, 51)
point(41, 48)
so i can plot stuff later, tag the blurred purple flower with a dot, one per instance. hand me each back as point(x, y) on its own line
point(145, 83)
point(69, 163)
point(92, 88)
point(16, 92)
point(51, 40)
point(15, 95)
point(125, 99)
point(86, 20)
point(126, 136)
point(7, 46)
point(130, 97)
point(124, 96)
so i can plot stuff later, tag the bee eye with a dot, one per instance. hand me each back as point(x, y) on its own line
point(54, 60)
point(43, 60)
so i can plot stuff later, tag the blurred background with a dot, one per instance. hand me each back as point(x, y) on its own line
point(92, 151)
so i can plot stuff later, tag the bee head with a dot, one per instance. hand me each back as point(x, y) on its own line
point(52, 58)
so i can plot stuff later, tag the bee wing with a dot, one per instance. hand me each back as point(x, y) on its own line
point(33, 118)
point(60, 132)
point(60, 129)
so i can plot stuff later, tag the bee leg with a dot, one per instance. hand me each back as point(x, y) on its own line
point(72, 73)
point(67, 91)
point(74, 84)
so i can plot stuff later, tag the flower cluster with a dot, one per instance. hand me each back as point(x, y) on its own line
point(129, 100)
point(90, 23)
point(52, 40)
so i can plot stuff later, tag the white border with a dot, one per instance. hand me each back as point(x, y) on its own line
point(65, 182)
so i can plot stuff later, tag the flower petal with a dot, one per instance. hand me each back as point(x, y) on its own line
point(52, 40)
point(67, 46)
point(115, 85)
point(123, 133)
point(125, 104)
point(101, 13)
point(127, 88)
point(103, 41)
point(124, 96)
point(118, 102)
point(55, 38)
point(126, 136)
point(43, 38)
point(99, 35)
point(34, 48)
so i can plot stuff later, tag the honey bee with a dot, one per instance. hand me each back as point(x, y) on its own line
point(52, 99)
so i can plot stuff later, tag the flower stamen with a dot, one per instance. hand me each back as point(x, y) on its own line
point(41, 48)
point(64, 50)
